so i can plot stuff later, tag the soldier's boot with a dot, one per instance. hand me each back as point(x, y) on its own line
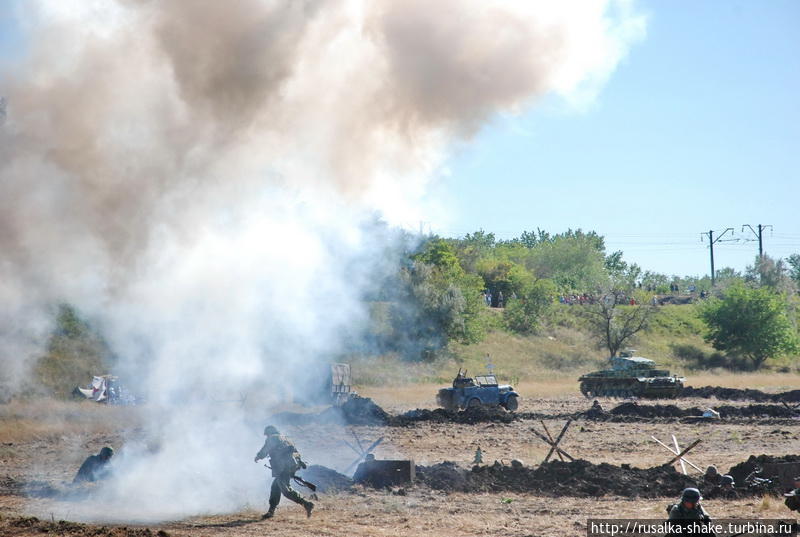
point(309, 507)
point(269, 514)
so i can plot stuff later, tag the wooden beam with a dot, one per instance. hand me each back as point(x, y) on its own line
point(554, 446)
point(358, 442)
point(677, 449)
point(690, 463)
point(684, 452)
point(550, 437)
point(362, 455)
point(348, 444)
point(557, 440)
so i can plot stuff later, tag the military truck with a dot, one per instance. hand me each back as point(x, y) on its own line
point(483, 390)
point(631, 376)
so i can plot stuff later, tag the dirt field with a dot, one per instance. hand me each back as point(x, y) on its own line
point(35, 447)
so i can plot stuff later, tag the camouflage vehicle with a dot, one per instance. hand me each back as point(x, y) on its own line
point(483, 390)
point(631, 376)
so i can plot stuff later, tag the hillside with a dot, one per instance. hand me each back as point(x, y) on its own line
point(563, 348)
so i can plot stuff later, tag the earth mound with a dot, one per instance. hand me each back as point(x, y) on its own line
point(653, 412)
point(480, 414)
point(26, 525)
point(355, 411)
point(326, 479)
point(578, 478)
point(755, 463)
point(735, 394)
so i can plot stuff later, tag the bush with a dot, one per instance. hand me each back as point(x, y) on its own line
point(750, 322)
point(524, 315)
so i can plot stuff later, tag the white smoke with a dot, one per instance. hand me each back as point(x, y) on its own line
point(195, 176)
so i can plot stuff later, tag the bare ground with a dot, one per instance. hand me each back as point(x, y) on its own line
point(35, 445)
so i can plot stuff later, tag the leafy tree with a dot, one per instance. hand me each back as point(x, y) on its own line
point(613, 321)
point(504, 277)
point(434, 302)
point(574, 261)
point(474, 247)
point(439, 253)
point(523, 315)
point(771, 273)
point(794, 270)
point(750, 321)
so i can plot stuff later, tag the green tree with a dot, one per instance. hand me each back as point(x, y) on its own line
point(794, 270)
point(504, 277)
point(574, 260)
point(523, 315)
point(436, 301)
point(613, 321)
point(751, 322)
point(772, 273)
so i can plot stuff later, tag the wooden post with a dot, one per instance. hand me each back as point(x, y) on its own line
point(677, 449)
point(687, 461)
point(550, 437)
point(553, 446)
point(684, 452)
point(557, 440)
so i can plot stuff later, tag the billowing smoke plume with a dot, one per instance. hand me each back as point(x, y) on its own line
point(194, 177)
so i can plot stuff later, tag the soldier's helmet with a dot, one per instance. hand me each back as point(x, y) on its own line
point(727, 479)
point(270, 430)
point(711, 470)
point(106, 452)
point(690, 495)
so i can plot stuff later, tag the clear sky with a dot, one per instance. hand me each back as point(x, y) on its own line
point(697, 130)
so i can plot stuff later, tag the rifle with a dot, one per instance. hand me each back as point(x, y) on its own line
point(305, 483)
point(300, 481)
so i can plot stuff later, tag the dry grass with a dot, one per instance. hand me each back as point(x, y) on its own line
point(426, 513)
point(554, 384)
point(24, 420)
point(772, 382)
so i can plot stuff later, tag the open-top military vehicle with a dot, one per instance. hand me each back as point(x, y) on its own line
point(631, 376)
point(483, 390)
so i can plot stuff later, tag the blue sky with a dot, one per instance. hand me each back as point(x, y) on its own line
point(698, 129)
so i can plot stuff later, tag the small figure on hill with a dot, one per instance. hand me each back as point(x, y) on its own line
point(95, 467)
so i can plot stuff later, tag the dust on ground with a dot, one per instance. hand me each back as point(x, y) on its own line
point(32, 464)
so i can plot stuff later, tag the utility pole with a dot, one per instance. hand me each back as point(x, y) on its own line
point(711, 242)
point(759, 236)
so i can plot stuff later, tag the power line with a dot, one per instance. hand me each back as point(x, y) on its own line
point(711, 242)
point(759, 236)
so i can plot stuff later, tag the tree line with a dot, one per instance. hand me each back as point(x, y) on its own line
point(444, 288)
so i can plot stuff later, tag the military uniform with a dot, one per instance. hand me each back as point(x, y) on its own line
point(284, 461)
point(683, 516)
point(94, 467)
point(679, 512)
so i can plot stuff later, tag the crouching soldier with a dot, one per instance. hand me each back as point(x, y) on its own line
point(94, 467)
point(284, 461)
point(688, 511)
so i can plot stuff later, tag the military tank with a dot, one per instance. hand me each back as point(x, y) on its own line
point(631, 376)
